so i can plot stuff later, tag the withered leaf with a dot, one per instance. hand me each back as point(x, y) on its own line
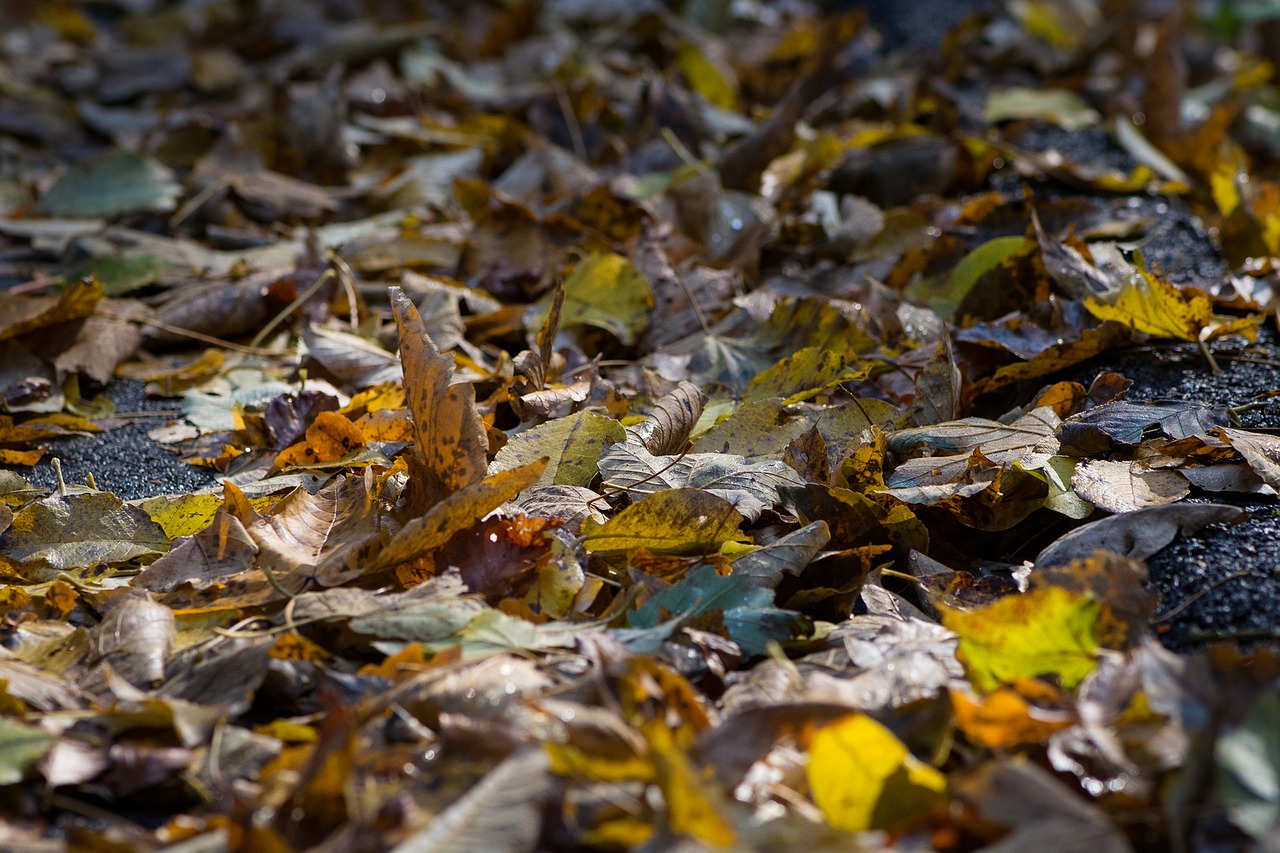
point(64, 532)
point(666, 429)
point(503, 811)
point(1123, 423)
point(1127, 486)
point(450, 444)
point(309, 536)
point(752, 487)
point(1137, 534)
point(456, 512)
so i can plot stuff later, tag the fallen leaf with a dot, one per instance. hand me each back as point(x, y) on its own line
point(1043, 632)
point(673, 521)
point(450, 445)
point(1138, 534)
point(64, 532)
point(862, 777)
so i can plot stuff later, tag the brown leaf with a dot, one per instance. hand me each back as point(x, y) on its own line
point(450, 444)
point(312, 536)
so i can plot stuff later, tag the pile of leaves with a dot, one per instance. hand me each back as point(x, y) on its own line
point(636, 426)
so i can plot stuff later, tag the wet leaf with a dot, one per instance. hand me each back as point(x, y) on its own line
point(503, 811)
point(1127, 486)
point(1124, 423)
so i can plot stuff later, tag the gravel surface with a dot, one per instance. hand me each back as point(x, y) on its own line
point(123, 460)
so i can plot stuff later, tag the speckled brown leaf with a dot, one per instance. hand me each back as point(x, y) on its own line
point(450, 445)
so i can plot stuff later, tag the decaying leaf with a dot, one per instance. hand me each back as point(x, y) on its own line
point(448, 437)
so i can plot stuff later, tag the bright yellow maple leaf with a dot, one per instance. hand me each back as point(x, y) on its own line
point(1044, 632)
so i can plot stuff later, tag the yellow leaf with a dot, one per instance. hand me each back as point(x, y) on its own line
point(676, 521)
point(705, 77)
point(456, 512)
point(1155, 307)
point(595, 766)
point(605, 291)
point(692, 809)
point(1225, 179)
point(862, 777)
point(1044, 632)
point(182, 515)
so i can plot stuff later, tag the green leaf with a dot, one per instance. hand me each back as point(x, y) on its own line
point(118, 182)
point(572, 445)
point(945, 297)
point(20, 747)
point(746, 610)
point(1248, 770)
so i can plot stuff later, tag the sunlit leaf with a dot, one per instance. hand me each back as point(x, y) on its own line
point(1004, 719)
point(572, 446)
point(457, 512)
point(607, 292)
point(1155, 307)
point(675, 521)
point(80, 530)
point(1043, 632)
point(450, 445)
point(750, 487)
point(862, 777)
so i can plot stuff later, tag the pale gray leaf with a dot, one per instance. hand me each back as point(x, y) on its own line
point(1137, 534)
point(503, 811)
point(666, 430)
